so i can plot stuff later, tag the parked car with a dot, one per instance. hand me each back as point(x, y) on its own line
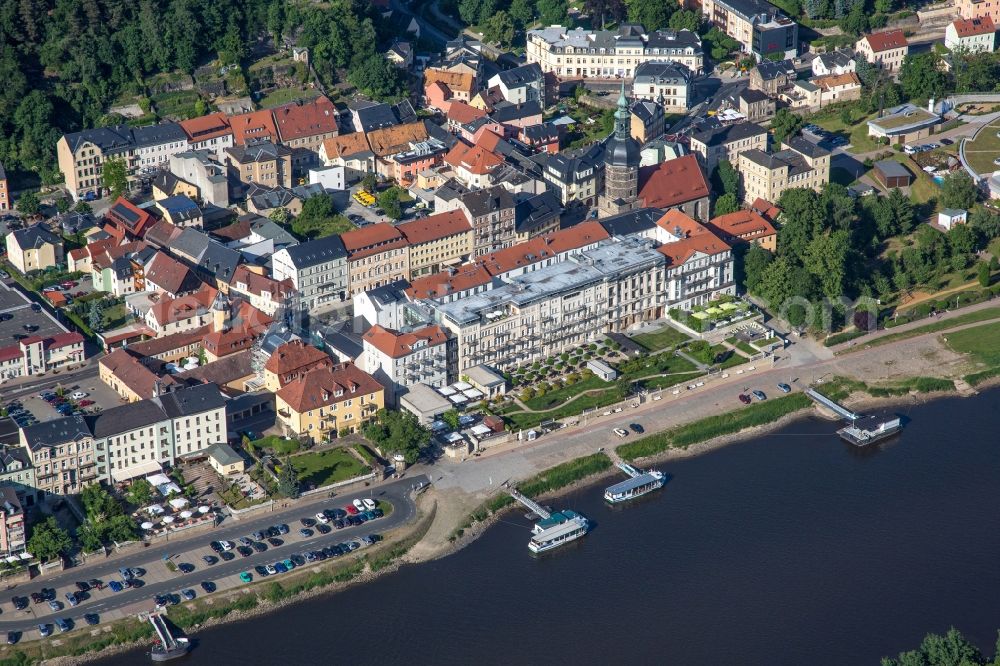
point(246, 576)
point(71, 598)
point(63, 624)
point(759, 395)
point(208, 586)
point(91, 619)
point(369, 503)
point(185, 567)
point(259, 547)
point(282, 529)
point(280, 567)
point(246, 541)
point(359, 505)
point(261, 570)
point(20, 603)
point(227, 556)
point(270, 569)
point(636, 428)
point(305, 533)
point(13, 637)
point(621, 432)
point(323, 529)
point(321, 517)
point(744, 398)
point(244, 551)
point(258, 536)
point(351, 510)
point(209, 560)
point(188, 594)
point(784, 388)
point(116, 586)
point(45, 630)
point(274, 541)
point(55, 605)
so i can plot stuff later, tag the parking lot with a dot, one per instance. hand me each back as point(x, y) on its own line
point(217, 565)
point(96, 396)
point(19, 320)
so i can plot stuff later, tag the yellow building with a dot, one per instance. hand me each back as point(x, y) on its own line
point(225, 460)
point(437, 241)
point(33, 249)
point(326, 401)
point(766, 175)
point(264, 163)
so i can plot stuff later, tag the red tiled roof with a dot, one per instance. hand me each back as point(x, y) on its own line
point(397, 138)
point(252, 126)
point(745, 224)
point(320, 387)
point(296, 355)
point(672, 183)
point(884, 41)
point(207, 127)
point(162, 233)
point(474, 159)
point(435, 227)
point(982, 25)
point(238, 230)
point(543, 247)
point(129, 369)
point(375, 235)
point(257, 284)
point(304, 119)
point(441, 284)
point(397, 345)
point(169, 274)
point(698, 238)
point(463, 81)
point(127, 219)
point(346, 145)
point(171, 310)
point(461, 113)
point(766, 209)
point(10, 353)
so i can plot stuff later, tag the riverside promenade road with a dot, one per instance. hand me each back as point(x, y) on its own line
point(475, 479)
point(225, 575)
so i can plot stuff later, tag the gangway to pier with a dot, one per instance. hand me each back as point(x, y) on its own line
point(162, 630)
point(628, 469)
point(840, 410)
point(532, 505)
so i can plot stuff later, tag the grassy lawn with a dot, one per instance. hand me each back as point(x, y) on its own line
point(337, 224)
point(968, 318)
point(179, 104)
point(982, 343)
point(286, 95)
point(661, 339)
point(591, 401)
point(236, 500)
point(324, 467)
point(664, 364)
point(559, 396)
point(981, 152)
point(671, 380)
point(757, 414)
point(115, 316)
point(278, 445)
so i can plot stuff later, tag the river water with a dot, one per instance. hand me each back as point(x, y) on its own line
point(792, 548)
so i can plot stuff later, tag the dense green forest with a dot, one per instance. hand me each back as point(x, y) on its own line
point(64, 62)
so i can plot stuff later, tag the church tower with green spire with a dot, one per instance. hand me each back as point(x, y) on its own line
point(621, 165)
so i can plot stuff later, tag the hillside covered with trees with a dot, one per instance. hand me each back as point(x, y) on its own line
point(65, 62)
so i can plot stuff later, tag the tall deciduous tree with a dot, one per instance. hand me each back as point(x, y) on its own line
point(958, 190)
point(48, 540)
point(115, 177)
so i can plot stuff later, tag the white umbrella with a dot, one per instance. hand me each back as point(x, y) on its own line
point(186, 514)
point(168, 519)
point(146, 526)
point(203, 509)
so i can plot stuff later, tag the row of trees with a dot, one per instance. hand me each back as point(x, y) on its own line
point(952, 649)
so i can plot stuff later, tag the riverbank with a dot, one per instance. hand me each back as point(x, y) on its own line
point(477, 518)
point(425, 541)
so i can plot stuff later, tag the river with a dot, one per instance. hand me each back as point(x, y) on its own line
point(791, 548)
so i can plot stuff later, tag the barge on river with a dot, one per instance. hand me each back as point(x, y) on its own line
point(558, 529)
point(638, 484)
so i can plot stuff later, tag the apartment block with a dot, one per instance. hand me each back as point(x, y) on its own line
point(759, 27)
point(437, 241)
point(317, 270)
point(766, 175)
point(34, 249)
point(604, 54)
point(36, 355)
point(726, 142)
point(554, 308)
point(376, 255)
point(264, 163)
point(12, 536)
point(326, 401)
point(400, 359)
point(144, 150)
point(666, 83)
